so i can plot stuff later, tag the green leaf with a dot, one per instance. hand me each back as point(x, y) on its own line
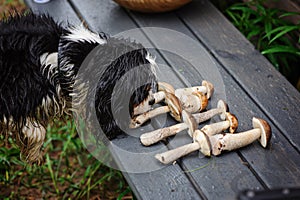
point(289, 14)
point(282, 31)
point(268, 28)
point(281, 49)
point(253, 33)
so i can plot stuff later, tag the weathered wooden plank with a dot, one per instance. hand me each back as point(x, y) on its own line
point(232, 164)
point(60, 10)
point(168, 181)
point(271, 92)
point(280, 149)
point(236, 97)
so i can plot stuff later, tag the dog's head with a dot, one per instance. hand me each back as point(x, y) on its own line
point(124, 72)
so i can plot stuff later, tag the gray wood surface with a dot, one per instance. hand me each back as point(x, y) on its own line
point(249, 84)
point(267, 88)
point(237, 97)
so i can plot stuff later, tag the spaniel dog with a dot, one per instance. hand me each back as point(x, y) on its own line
point(39, 65)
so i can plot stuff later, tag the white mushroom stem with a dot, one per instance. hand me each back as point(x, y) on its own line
point(157, 135)
point(190, 97)
point(204, 138)
point(154, 98)
point(215, 128)
point(200, 140)
point(160, 134)
point(227, 142)
point(216, 144)
point(221, 110)
point(147, 104)
point(173, 107)
point(206, 88)
point(141, 119)
point(194, 103)
point(174, 154)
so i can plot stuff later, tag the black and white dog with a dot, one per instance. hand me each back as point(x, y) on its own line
point(39, 60)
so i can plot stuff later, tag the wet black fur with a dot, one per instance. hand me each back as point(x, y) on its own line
point(23, 39)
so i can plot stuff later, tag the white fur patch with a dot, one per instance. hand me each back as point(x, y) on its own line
point(152, 62)
point(34, 131)
point(82, 34)
point(50, 63)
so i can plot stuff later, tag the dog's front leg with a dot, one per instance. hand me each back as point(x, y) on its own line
point(32, 141)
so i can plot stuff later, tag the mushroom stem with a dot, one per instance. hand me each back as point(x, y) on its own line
point(206, 88)
point(221, 110)
point(172, 155)
point(173, 107)
point(215, 128)
point(153, 98)
point(216, 144)
point(147, 104)
point(141, 119)
point(191, 98)
point(152, 137)
point(229, 142)
point(261, 131)
point(160, 134)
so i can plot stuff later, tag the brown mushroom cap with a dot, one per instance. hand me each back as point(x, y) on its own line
point(233, 122)
point(209, 88)
point(174, 105)
point(190, 121)
point(203, 100)
point(166, 87)
point(224, 108)
point(204, 142)
point(265, 130)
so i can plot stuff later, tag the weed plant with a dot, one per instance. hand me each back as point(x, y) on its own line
point(274, 36)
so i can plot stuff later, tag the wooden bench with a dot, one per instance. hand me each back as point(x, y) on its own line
point(252, 87)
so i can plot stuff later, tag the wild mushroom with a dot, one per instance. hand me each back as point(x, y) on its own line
point(153, 98)
point(157, 135)
point(174, 154)
point(193, 103)
point(230, 123)
point(216, 144)
point(227, 142)
point(173, 107)
point(160, 134)
point(201, 140)
point(193, 98)
point(206, 88)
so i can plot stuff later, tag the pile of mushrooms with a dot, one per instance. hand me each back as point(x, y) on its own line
point(185, 105)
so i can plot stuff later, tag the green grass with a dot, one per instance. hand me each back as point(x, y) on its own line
point(69, 172)
point(274, 36)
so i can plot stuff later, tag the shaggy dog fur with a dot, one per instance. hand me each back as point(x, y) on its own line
point(39, 60)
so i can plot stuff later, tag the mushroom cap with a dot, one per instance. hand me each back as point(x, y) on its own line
point(204, 142)
point(209, 88)
point(233, 122)
point(166, 87)
point(174, 105)
point(190, 121)
point(265, 130)
point(224, 109)
point(203, 100)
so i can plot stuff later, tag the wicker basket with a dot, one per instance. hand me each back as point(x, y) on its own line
point(151, 6)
